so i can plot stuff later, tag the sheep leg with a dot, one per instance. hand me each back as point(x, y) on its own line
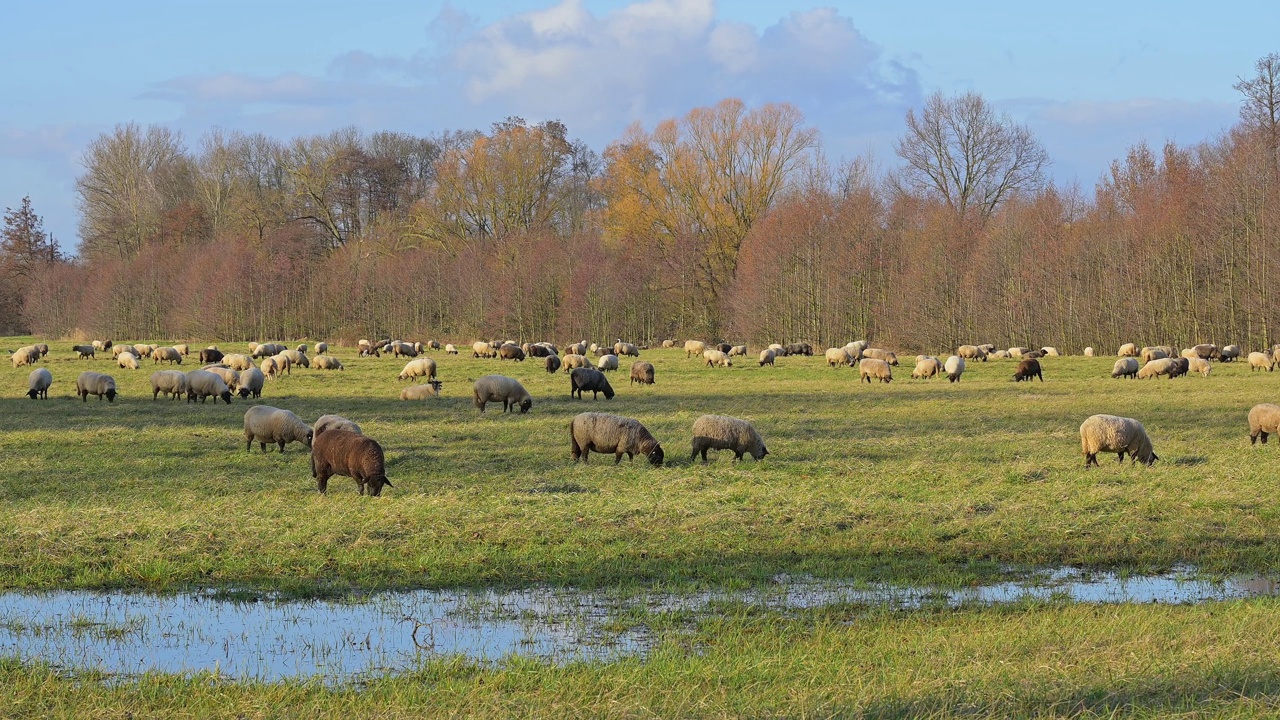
point(1121, 460)
point(617, 458)
point(1090, 459)
point(322, 481)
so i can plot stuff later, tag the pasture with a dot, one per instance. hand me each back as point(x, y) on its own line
point(912, 482)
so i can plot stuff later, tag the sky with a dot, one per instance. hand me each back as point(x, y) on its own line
point(1090, 79)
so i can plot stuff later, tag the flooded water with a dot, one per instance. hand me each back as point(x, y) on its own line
point(339, 641)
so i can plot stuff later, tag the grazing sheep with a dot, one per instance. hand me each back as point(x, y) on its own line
point(101, 345)
point(716, 358)
point(694, 347)
point(351, 454)
point(926, 367)
point(607, 363)
point(302, 348)
point(1264, 420)
point(127, 360)
point(270, 368)
point(1050, 352)
point(877, 354)
point(494, 388)
point(578, 348)
point(38, 383)
point(999, 354)
point(166, 354)
point(720, 432)
point(1207, 351)
point(143, 350)
point(589, 379)
point(1125, 367)
point(422, 367)
point(229, 376)
point(328, 362)
point(213, 355)
point(1032, 355)
point(92, 383)
point(283, 364)
point(366, 349)
point(1108, 433)
point(421, 391)
point(1128, 350)
point(115, 351)
point(874, 367)
point(204, 384)
point(322, 348)
point(1028, 368)
point(1088, 352)
point(253, 347)
point(183, 348)
point(625, 349)
point(855, 348)
point(433, 344)
point(572, 362)
point(511, 352)
point(723, 347)
point(173, 383)
point(85, 352)
point(251, 383)
point(605, 433)
point(1016, 352)
point(1180, 367)
point(954, 368)
point(265, 424)
point(552, 363)
point(29, 355)
point(987, 348)
point(668, 344)
point(450, 349)
point(419, 347)
point(594, 349)
point(1153, 353)
point(802, 348)
point(401, 349)
point(237, 361)
point(537, 350)
point(738, 351)
point(767, 356)
point(837, 357)
point(971, 352)
point(334, 422)
point(1199, 365)
point(1158, 367)
point(297, 359)
point(481, 349)
point(1261, 361)
point(1189, 353)
point(642, 372)
point(1229, 353)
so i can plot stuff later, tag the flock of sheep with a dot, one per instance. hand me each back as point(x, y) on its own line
point(345, 450)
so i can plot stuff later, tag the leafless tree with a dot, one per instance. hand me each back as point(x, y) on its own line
point(1260, 106)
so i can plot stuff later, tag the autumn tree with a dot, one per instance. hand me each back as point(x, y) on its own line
point(961, 150)
point(26, 251)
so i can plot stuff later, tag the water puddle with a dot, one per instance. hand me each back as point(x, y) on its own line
point(125, 634)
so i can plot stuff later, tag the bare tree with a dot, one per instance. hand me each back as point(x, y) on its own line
point(132, 176)
point(968, 155)
point(1260, 106)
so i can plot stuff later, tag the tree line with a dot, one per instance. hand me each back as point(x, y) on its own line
point(726, 223)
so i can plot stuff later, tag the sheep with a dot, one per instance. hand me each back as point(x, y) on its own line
point(143, 350)
point(1189, 353)
point(1199, 365)
point(1088, 352)
point(802, 348)
point(401, 349)
point(101, 345)
point(954, 368)
point(419, 347)
point(855, 348)
point(213, 355)
point(874, 367)
point(366, 349)
point(1261, 361)
point(716, 358)
point(351, 454)
point(926, 367)
point(777, 348)
point(422, 367)
point(328, 362)
point(1027, 369)
point(450, 349)
point(297, 359)
point(422, 391)
point(251, 382)
point(1032, 355)
point(1264, 420)
point(1229, 353)
point(1125, 367)
point(127, 360)
point(605, 433)
point(738, 351)
point(29, 355)
point(1050, 352)
point(668, 344)
point(92, 383)
point(492, 388)
point(1158, 367)
point(1128, 350)
point(38, 383)
point(607, 363)
point(971, 352)
point(173, 383)
point(1108, 433)
point(511, 352)
point(166, 354)
point(203, 384)
point(322, 348)
point(265, 424)
point(1180, 367)
point(237, 361)
point(723, 347)
point(720, 432)
point(999, 354)
point(589, 379)
point(878, 354)
point(183, 348)
point(1016, 352)
point(334, 422)
point(537, 350)
point(115, 351)
point(283, 364)
point(837, 357)
point(269, 368)
point(767, 356)
point(302, 348)
point(694, 347)
point(84, 352)
point(481, 349)
point(1207, 351)
point(229, 376)
point(253, 347)
point(642, 372)
point(987, 348)
point(625, 349)
point(552, 363)
point(1153, 353)
point(578, 348)
point(572, 362)
point(433, 344)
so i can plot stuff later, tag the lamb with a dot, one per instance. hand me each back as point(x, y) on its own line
point(351, 454)
point(954, 367)
point(1158, 367)
point(29, 355)
point(481, 349)
point(237, 361)
point(605, 433)
point(38, 383)
point(837, 357)
point(1125, 367)
point(511, 352)
point(213, 355)
point(450, 349)
point(926, 367)
point(1088, 352)
point(607, 363)
point(322, 348)
point(494, 388)
point(203, 384)
point(334, 422)
point(92, 383)
point(767, 356)
point(877, 354)
point(1027, 369)
point(694, 347)
point(1108, 433)
point(971, 352)
point(719, 432)
point(127, 360)
point(166, 354)
point(716, 358)
point(589, 379)
point(1261, 361)
point(265, 424)
point(552, 363)
point(422, 367)
point(1229, 353)
point(1128, 350)
point(642, 372)
point(251, 382)
point(625, 349)
point(422, 391)
point(85, 352)
point(571, 362)
point(173, 383)
point(1264, 420)
point(874, 367)
point(328, 362)
point(1199, 365)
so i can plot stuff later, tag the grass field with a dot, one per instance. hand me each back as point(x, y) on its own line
point(917, 481)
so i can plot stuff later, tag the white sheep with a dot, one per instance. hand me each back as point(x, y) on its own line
point(1199, 365)
point(173, 383)
point(334, 422)
point(604, 433)
point(251, 382)
point(767, 356)
point(875, 368)
point(1108, 433)
point(716, 358)
point(720, 432)
point(1125, 367)
point(693, 348)
point(265, 424)
point(573, 361)
point(1088, 352)
point(926, 367)
point(204, 384)
point(500, 388)
point(92, 383)
point(954, 368)
point(127, 360)
point(1261, 361)
point(421, 391)
point(328, 362)
point(1264, 419)
point(38, 383)
point(419, 368)
point(449, 349)
point(607, 363)
point(837, 357)
point(1128, 350)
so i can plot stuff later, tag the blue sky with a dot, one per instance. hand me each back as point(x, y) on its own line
point(1089, 78)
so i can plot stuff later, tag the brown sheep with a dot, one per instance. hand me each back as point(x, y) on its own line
point(1028, 368)
point(342, 452)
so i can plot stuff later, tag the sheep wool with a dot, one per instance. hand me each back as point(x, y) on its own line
point(204, 384)
point(127, 360)
point(604, 433)
point(607, 363)
point(589, 379)
point(870, 368)
point(693, 348)
point(720, 432)
point(1125, 367)
point(837, 357)
point(642, 372)
point(767, 357)
point(92, 383)
point(1108, 433)
point(926, 367)
point(350, 454)
point(419, 368)
point(334, 422)
point(265, 424)
point(716, 358)
point(954, 368)
point(1261, 361)
point(1264, 420)
point(500, 388)
point(38, 383)
point(421, 391)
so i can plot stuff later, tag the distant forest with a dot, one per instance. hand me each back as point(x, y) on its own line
point(726, 223)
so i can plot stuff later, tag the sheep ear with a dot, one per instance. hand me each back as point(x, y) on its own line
point(387, 482)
